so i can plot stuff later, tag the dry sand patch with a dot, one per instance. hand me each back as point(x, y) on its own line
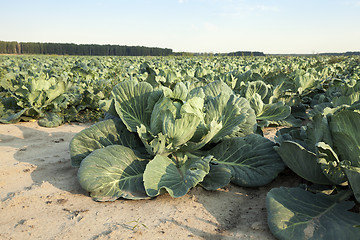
point(40, 198)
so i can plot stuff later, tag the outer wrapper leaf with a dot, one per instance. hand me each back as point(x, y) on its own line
point(318, 131)
point(131, 101)
point(51, 120)
point(330, 163)
point(303, 162)
point(213, 89)
point(274, 112)
point(251, 159)
point(345, 129)
point(113, 172)
point(177, 178)
point(218, 177)
point(10, 116)
point(353, 175)
point(100, 135)
point(256, 103)
point(256, 87)
point(294, 213)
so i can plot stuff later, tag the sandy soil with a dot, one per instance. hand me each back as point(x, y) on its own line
point(40, 198)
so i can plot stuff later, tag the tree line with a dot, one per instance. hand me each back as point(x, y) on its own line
point(80, 49)
point(245, 53)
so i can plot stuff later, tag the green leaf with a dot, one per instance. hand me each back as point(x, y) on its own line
point(177, 177)
point(51, 120)
point(214, 128)
point(218, 177)
point(55, 91)
point(304, 81)
point(100, 135)
point(318, 131)
point(294, 213)
point(131, 100)
point(234, 113)
point(113, 172)
point(274, 112)
point(213, 89)
point(330, 163)
point(256, 87)
point(194, 105)
point(179, 131)
point(303, 162)
point(251, 159)
point(180, 91)
point(163, 106)
point(353, 175)
point(108, 106)
point(345, 129)
point(152, 145)
point(10, 116)
point(256, 103)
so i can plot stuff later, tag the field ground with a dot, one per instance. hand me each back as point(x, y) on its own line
point(42, 199)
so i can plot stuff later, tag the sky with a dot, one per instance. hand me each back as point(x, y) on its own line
point(216, 26)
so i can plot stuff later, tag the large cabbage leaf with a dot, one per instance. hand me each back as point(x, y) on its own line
point(345, 129)
point(302, 161)
point(175, 175)
point(318, 131)
point(234, 113)
point(100, 135)
point(131, 101)
point(256, 87)
point(353, 175)
point(51, 119)
point(274, 112)
point(11, 116)
point(218, 177)
point(294, 213)
point(221, 105)
point(213, 89)
point(113, 172)
point(251, 159)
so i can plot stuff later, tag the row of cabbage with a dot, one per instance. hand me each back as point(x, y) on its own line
point(62, 89)
point(173, 123)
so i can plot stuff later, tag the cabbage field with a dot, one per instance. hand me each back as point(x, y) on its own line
point(168, 124)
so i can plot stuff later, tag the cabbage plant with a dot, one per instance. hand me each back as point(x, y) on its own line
point(263, 99)
point(326, 152)
point(170, 139)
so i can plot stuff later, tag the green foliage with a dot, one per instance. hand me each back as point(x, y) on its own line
point(172, 123)
point(323, 152)
point(177, 127)
point(251, 159)
point(113, 172)
point(294, 213)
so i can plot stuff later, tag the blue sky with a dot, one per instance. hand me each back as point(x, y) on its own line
point(272, 26)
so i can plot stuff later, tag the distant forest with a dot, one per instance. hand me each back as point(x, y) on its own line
point(80, 49)
point(244, 53)
point(14, 47)
point(341, 54)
